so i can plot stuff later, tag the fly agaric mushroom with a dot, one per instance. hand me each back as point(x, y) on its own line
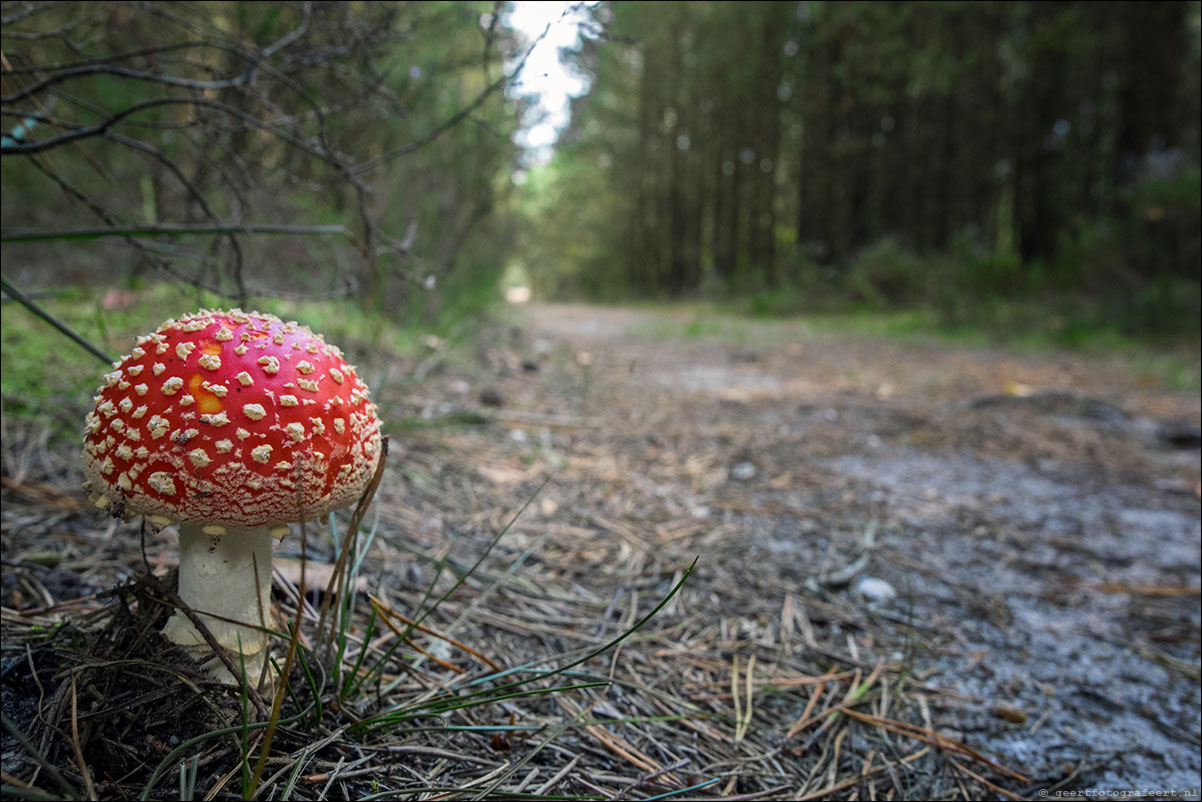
point(232, 425)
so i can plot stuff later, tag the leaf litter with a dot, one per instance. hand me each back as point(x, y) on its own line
point(1041, 538)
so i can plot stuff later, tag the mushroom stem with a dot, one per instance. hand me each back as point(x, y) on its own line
point(228, 575)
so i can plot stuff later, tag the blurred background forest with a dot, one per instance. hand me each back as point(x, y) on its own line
point(956, 157)
point(1013, 166)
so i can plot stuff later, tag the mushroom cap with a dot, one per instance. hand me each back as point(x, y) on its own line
point(232, 419)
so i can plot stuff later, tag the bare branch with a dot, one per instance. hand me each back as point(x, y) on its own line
point(102, 127)
point(127, 72)
point(235, 130)
point(27, 10)
point(115, 57)
point(454, 119)
point(194, 193)
point(434, 133)
point(32, 306)
point(168, 229)
point(162, 264)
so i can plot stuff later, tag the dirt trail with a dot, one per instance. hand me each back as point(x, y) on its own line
point(1002, 549)
point(1036, 516)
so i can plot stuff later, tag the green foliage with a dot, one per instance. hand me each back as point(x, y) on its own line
point(974, 287)
point(44, 374)
point(387, 119)
point(779, 302)
point(1157, 235)
point(954, 157)
point(1141, 270)
point(47, 369)
point(886, 275)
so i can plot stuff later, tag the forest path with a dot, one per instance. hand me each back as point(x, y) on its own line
point(1001, 548)
point(1034, 514)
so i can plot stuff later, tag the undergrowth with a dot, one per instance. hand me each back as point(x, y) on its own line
point(42, 371)
point(1172, 364)
point(342, 681)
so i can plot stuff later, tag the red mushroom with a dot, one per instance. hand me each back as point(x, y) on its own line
point(233, 425)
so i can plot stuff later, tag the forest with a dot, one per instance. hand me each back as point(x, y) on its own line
point(796, 156)
point(887, 155)
point(600, 400)
point(302, 118)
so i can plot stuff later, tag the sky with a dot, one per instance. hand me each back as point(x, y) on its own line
point(545, 77)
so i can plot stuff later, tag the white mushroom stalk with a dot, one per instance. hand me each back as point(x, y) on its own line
point(225, 571)
point(231, 425)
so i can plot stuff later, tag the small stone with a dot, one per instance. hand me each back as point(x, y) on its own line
point(743, 472)
point(873, 590)
point(491, 397)
point(1009, 713)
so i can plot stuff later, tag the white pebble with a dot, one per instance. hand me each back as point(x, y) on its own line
point(743, 471)
point(873, 590)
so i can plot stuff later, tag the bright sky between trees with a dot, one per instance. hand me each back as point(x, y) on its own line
point(545, 77)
